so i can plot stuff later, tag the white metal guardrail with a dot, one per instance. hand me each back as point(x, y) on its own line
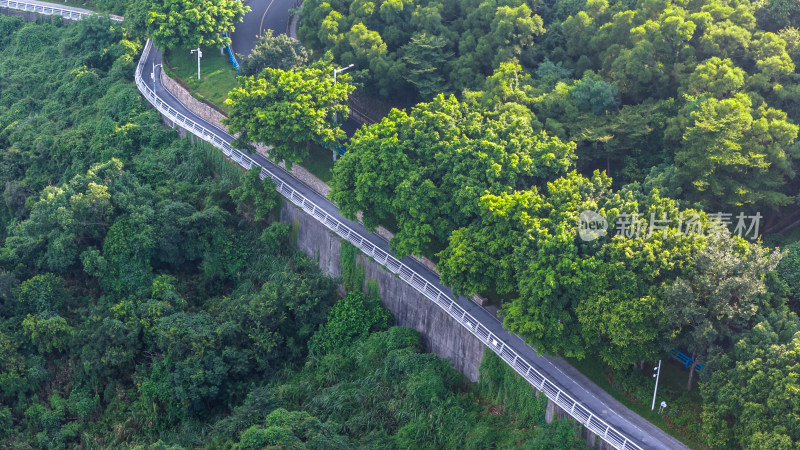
point(49, 10)
point(574, 408)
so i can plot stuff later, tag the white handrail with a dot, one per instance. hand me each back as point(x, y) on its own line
point(49, 10)
point(579, 412)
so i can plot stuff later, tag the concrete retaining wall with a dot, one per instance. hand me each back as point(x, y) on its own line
point(204, 111)
point(440, 333)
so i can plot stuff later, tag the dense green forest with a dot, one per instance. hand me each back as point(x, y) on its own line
point(685, 95)
point(676, 122)
point(148, 300)
point(138, 304)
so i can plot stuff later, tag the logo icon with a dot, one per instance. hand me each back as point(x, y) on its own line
point(592, 225)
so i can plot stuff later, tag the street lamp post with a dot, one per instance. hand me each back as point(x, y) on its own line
point(336, 71)
point(153, 75)
point(199, 55)
point(656, 376)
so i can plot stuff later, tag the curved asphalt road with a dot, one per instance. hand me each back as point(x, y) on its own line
point(264, 15)
point(557, 370)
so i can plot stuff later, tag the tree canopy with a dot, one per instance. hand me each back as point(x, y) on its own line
point(288, 109)
point(184, 24)
point(278, 52)
point(428, 169)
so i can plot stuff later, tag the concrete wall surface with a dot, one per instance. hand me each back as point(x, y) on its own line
point(440, 333)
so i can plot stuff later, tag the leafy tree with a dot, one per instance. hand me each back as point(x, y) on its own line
point(789, 270)
point(91, 38)
point(288, 109)
point(110, 348)
point(66, 219)
point(719, 298)
point(480, 258)
point(594, 94)
point(750, 399)
point(127, 251)
point(353, 317)
point(716, 77)
point(295, 429)
point(277, 52)
point(621, 144)
point(177, 235)
point(47, 331)
point(508, 88)
point(621, 320)
point(728, 138)
point(420, 49)
point(428, 169)
point(553, 272)
point(255, 197)
point(511, 34)
point(774, 15)
point(425, 57)
point(44, 292)
point(137, 14)
point(182, 24)
point(255, 408)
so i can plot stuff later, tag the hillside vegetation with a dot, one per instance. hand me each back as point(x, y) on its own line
point(147, 299)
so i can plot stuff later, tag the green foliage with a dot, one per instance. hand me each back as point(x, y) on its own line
point(689, 106)
point(514, 396)
point(428, 169)
point(352, 272)
point(66, 220)
point(425, 57)
point(157, 296)
point(276, 52)
point(594, 94)
point(48, 332)
point(501, 385)
point(789, 270)
point(127, 251)
point(415, 400)
point(255, 197)
point(276, 238)
point(722, 295)
point(726, 138)
point(153, 297)
point(751, 397)
point(351, 318)
point(187, 24)
point(421, 48)
point(295, 429)
point(285, 109)
point(41, 293)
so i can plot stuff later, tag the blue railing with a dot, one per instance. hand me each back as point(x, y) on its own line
point(232, 57)
point(341, 150)
point(687, 361)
